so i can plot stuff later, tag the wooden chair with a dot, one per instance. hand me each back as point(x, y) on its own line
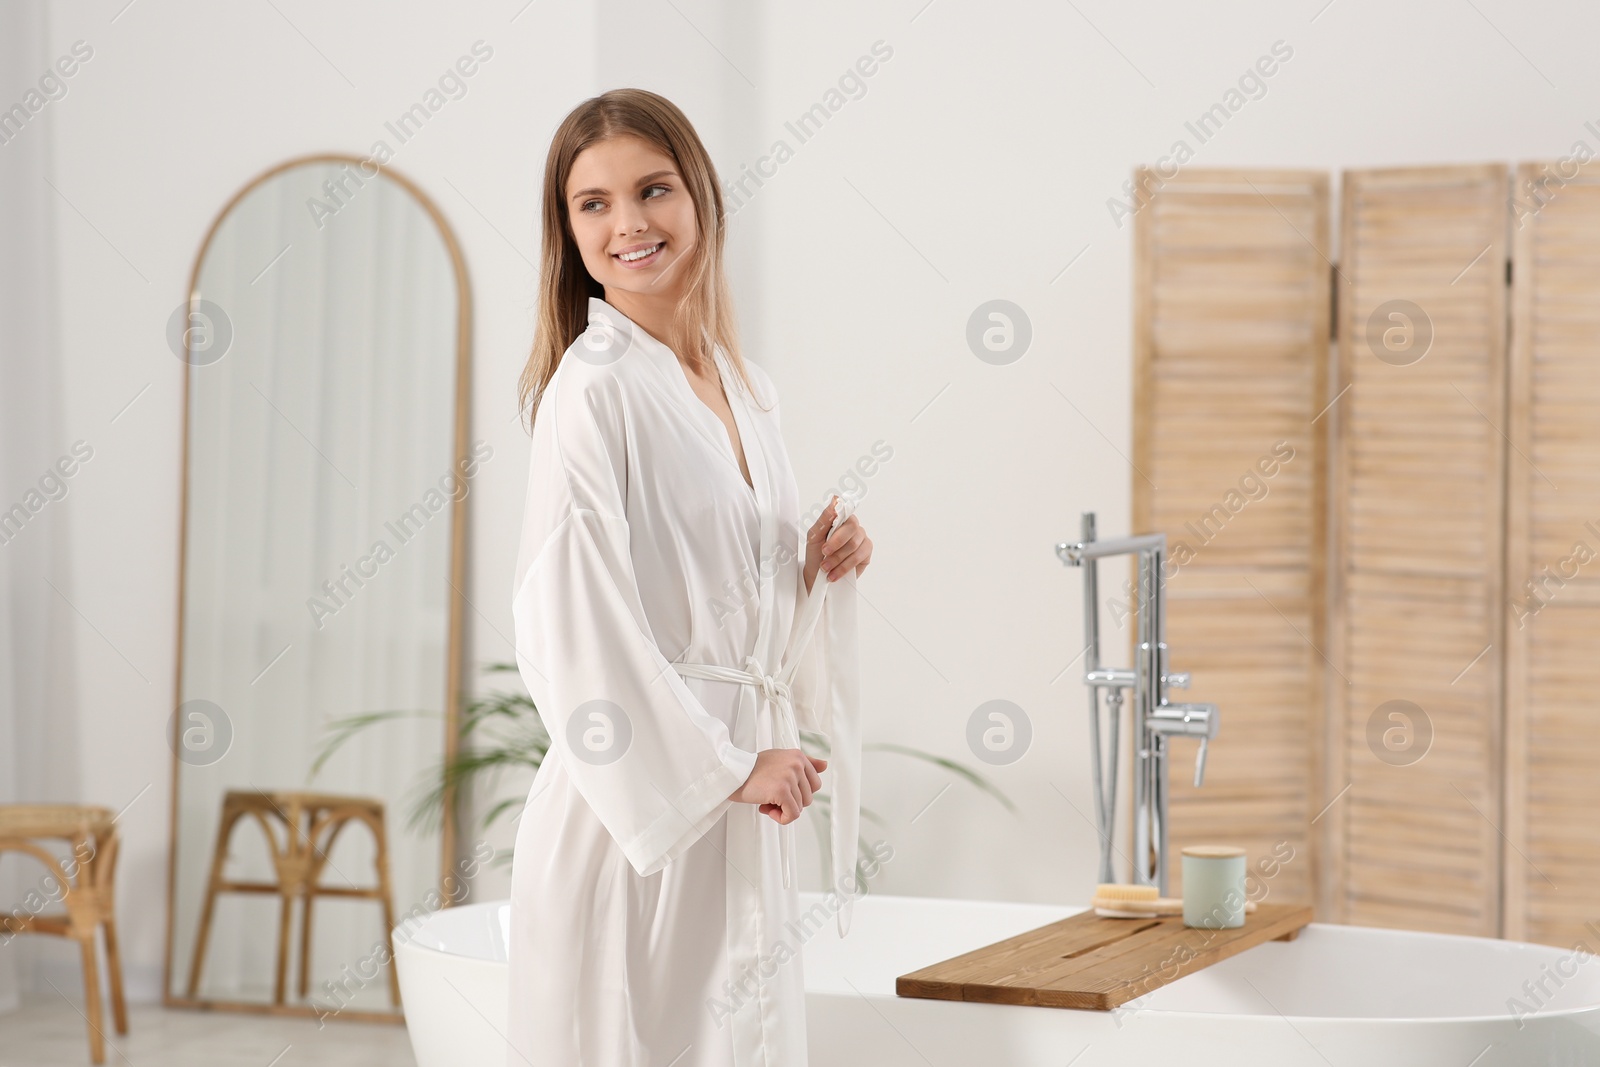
point(86, 881)
point(308, 823)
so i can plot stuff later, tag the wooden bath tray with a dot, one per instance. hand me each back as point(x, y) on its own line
point(1088, 961)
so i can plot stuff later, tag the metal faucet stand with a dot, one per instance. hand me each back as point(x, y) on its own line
point(1154, 719)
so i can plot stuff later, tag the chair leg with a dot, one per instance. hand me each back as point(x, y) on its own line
point(91, 998)
point(218, 856)
point(388, 931)
point(305, 941)
point(385, 895)
point(207, 911)
point(119, 1007)
point(285, 914)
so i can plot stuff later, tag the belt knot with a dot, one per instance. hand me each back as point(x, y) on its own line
point(771, 688)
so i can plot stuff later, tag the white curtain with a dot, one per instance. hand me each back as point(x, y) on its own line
point(38, 704)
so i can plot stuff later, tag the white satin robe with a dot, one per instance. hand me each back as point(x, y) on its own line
point(650, 925)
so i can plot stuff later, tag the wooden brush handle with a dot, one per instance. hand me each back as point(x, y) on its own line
point(1159, 906)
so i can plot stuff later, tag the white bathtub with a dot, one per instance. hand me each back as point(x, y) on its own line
point(1339, 995)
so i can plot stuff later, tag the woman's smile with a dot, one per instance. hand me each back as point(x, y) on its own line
point(640, 255)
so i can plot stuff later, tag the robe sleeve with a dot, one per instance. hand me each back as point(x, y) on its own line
point(654, 766)
point(826, 695)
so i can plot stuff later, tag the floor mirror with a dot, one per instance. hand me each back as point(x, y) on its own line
point(324, 344)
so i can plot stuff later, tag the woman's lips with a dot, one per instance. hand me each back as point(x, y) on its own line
point(646, 261)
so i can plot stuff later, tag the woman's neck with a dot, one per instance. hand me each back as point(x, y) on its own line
point(654, 313)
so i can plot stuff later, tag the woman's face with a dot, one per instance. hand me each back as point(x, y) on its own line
point(626, 198)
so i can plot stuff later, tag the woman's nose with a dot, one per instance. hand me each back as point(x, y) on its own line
point(630, 219)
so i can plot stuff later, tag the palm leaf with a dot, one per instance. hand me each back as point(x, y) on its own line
point(960, 770)
point(343, 729)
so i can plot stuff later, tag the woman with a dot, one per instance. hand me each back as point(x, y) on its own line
point(672, 636)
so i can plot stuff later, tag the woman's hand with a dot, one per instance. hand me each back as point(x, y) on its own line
point(782, 783)
point(848, 547)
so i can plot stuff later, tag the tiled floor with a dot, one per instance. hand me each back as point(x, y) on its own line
point(48, 1031)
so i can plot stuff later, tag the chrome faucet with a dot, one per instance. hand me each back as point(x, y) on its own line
point(1154, 720)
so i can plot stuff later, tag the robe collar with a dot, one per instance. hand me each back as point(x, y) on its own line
point(675, 383)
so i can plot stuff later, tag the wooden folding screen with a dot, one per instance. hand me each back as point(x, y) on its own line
point(1450, 784)
point(1230, 364)
point(1552, 862)
point(1418, 509)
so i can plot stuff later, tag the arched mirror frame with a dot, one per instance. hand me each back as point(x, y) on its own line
point(457, 568)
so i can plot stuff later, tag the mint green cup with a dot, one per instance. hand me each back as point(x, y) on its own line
point(1213, 887)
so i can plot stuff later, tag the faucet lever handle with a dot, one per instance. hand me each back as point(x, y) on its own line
point(1200, 762)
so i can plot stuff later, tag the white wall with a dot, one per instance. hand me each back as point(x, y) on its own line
point(977, 165)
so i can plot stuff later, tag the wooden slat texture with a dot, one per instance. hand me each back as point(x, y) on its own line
point(1231, 298)
point(1090, 962)
point(1552, 864)
point(1417, 480)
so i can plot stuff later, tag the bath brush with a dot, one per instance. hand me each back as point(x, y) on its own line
point(1138, 902)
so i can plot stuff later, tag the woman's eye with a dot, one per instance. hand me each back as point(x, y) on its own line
point(586, 204)
point(664, 189)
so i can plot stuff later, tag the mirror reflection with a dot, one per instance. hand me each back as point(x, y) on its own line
point(322, 480)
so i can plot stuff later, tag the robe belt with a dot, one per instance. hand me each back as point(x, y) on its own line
point(774, 693)
point(774, 690)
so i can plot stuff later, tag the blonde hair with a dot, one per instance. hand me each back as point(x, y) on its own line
point(704, 316)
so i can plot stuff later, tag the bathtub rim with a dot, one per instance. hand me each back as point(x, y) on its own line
point(1166, 1013)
